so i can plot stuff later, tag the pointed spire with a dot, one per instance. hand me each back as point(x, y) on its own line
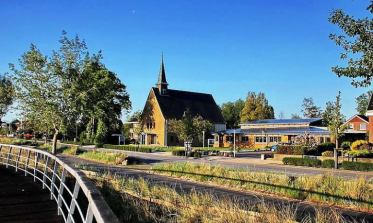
point(162, 82)
point(162, 73)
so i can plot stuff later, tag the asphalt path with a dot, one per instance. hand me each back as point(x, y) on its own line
point(246, 198)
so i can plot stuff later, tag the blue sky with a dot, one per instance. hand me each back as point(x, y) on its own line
point(225, 48)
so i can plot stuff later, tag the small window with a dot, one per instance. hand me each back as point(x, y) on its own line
point(351, 126)
point(363, 126)
point(245, 139)
point(154, 125)
point(260, 139)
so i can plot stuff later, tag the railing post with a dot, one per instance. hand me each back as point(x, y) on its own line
point(45, 172)
point(27, 161)
point(53, 178)
point(89, 216)
point(36, 165)
point(73, 200)
point(8, 157)
point(18, 157)
point(60, 192)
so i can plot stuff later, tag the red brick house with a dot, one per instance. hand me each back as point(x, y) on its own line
point(369, 114)
point(357, 124)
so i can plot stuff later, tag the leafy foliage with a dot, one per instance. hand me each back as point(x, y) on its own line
point(231, 112)
point(189, 128)
point(357, 166)
point(357, 44)
point(256, 107)
point(301, 161)
point(295, 116)
point(6, 94)
point(362, 102)
point(359, 145)
point(309, 109)
point(70, 89)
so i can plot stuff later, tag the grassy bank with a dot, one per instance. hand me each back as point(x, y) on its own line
point(104, 157)
point(354, 193)
point(136, 200)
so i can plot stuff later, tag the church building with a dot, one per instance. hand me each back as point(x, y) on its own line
point(164, 104)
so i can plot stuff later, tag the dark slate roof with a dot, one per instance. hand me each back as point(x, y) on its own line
point(286, 121)
point(174, 103)
point(363, 117)
point(370, 105)
point(279, 131)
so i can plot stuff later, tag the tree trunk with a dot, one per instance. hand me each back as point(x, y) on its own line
point(336, 154)
point(54, 145)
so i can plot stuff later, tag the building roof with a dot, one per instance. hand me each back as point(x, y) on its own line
point(308, 121)
point(280, 131)
point(362, 117)
point(174, 103)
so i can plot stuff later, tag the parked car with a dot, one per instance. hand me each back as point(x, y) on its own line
point(274, 148)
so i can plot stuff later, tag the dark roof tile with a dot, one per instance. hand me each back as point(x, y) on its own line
point(174, 103)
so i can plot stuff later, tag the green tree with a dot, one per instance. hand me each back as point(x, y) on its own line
point(295, 116)
point(357, 44)
point(335, 125)
point(101, 132)
point(69, 87)
point(362, 102)
point(6, 94)
point(40, 93)
point(189, 128)
point(256, 107)
point(309, 109)
point(231, 112)
point(93, 91)
point(327, 114)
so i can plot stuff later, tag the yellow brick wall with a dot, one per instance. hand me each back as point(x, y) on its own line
point(153, 113)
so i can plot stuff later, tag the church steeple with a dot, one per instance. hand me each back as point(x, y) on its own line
point(162, 82)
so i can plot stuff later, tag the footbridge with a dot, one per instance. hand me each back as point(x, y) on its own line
point(36, 186)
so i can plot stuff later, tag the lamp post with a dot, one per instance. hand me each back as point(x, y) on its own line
point(203, 138)
point(234, 142)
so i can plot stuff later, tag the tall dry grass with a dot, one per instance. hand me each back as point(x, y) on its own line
point(137, 200)
point(352, 193)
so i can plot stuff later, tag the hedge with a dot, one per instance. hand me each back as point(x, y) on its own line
point(301, 161)
point(180, 152)
point(129, 148)
point(357, 166)
point(327, 163)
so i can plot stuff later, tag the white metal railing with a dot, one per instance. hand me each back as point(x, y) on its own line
point(77, 198)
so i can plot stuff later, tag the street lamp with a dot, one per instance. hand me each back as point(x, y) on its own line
point(234, 142)
point(203, 138)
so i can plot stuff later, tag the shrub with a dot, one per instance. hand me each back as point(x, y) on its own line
point(178, 152)
point(346, 145)
point(357, 166)
point(359, 145)
point(324, 147)
point(360, 153)
point(328, 154)
point(291, 150)
point(327, 164)
point(301, 161)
